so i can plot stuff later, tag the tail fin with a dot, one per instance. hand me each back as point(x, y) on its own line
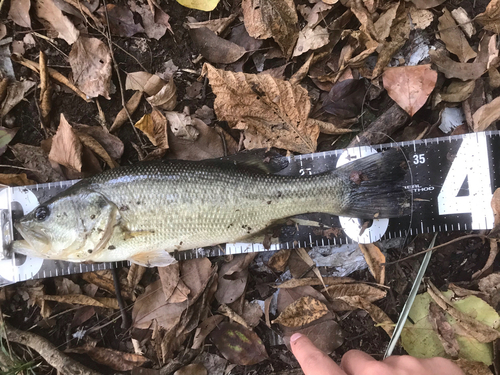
point(376, 186)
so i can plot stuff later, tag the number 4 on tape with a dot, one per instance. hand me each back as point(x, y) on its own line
point(472, 163)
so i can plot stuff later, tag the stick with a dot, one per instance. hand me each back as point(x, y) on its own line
point(121, 303)
point(60, 361)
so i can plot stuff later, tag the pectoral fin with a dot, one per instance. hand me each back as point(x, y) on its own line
point(159, 258)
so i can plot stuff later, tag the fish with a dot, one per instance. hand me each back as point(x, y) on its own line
point(146, 211)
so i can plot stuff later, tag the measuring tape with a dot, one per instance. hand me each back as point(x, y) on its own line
point(452, 180)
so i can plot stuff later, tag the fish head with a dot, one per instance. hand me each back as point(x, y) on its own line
point(69, 227)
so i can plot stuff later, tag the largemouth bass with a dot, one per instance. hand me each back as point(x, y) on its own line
point(143, 212)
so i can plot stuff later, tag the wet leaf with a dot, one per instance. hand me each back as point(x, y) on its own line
point(214, 48)
point(80, 299)
point(238, 344)
point(375, 260)
point(66, 147)
point(121, 20)
point(486, 115)
point(205, 5)
point(301, 312)
point(454, 38)
point(60, 24)
point(410, 86)
point(154, 125)
point(271, 112)
point(119, 361)
point(166, 97)
point(453, 69)
point(19, 12)
point(272, 18)
point(311, 39)
point(90, 61)
point(37, 161)
point(6, 136)
point(15, 179)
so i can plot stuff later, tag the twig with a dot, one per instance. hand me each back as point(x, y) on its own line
point(60, 361)
point(121, 303)
point(437, 247)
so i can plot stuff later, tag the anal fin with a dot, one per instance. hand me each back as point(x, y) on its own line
point(158, 258)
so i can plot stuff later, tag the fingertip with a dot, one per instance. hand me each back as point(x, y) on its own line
point(355, 360)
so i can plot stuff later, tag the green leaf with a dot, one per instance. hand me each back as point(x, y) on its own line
point(6, 136)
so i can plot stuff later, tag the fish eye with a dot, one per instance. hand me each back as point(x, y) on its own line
point(41, 213)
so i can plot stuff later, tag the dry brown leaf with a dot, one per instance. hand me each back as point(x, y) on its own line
point(15, 179)
point(232, 279)
point(453, 69)
point(192, 369)
point(45, 91)
point(490, 285)
point(271, 112)
point(66, 286)
point(152, 28)
point(204, 329)
point(89, 142)
point(272, 18)
point(214, 48)
point(382, 27)
point(486, 115)
point(444, 330)
point(154, 125)
point(119, 361)
point(311, 39)
point(183, 126)
point(173, 288)
point(60, 25)
point(300, 74)
point(90, 61)
point(80, 299)
point(421, 18)
point(16, 91)
point(121, 20)
point(252, 313)
point(19, 12)
point(457, 91)
point(494, 78)
point(104, 280)
point(375, 260)
point(36, 160)
point(427, 4)
point(144, 81)
point(491, 259)
point(463, 20)
point(232, 315)
point(490, 18)
point(293, 283)
point(135, 274)
point(474, 328)
point(375, 312)
point(325, 335)
point(365, 291)
point(131, 106)
point(112, 144)
point(279, 260)
point(454, 38)
point(410, 86)
point(301, 312)
point(216, 25)
point(318, 13)
point(166, 98)
point(364, 17)
point(66, 147)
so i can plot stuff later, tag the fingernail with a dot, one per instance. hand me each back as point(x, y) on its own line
point(295, 337)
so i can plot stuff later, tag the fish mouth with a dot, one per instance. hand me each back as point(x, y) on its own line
point(38, 241)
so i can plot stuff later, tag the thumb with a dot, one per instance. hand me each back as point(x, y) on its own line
point(312, 360)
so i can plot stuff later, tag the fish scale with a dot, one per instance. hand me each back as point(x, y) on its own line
point(451, 181)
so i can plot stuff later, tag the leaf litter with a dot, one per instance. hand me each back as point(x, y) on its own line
point(326, 66)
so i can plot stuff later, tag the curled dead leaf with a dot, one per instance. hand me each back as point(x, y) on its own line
point(154, 125)
point(301, 312)
point(80, 299)
point(166, 97)
point(454, 38)
point(486, 115)
point(57, 22)
point(214, 48)
point(66, 147)
point(131, 106)
point(375, 260)
point(453, 69)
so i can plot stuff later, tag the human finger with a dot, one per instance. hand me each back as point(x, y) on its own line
point(312, 360)
point(356, 362)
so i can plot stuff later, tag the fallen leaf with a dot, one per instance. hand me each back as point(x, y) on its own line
point(152, 28)
point(144, 81)
point(90, 61)
point(214, 48)
point(19, 12)
point(104, 280)
point(365, 291)
point(232, 315)
point(345, 98)
point(490, 18)
point(16, 91)
point(491, 259)
point(490, 285)
point(326, 335)
point(121, 20)
point(272, 113)
point(311, 39)
point(80, 299)
point(217, 25)
point(204, 329)
point(454, 38)
point(486, 115)
point(252, 313)
point(463, 20)
point(318, 12)
point(421, 18)
point(131, 106)
point(15, 179)
point(272, 18)
point(279, 260)
point(301, 312)
point(119, 361)
point(205, 5)
point(238, 344)
point(195, 274)
point(154, 125)
point(375, 260)
point(233, 279)
point(300, 74)
point(112, 144)
point(427, 4)
point(66, 286)
point(457, 91)
point(410, 86)
point(3, 31)
point(382, 27)
point(37, 161)
point(453, 69)
point(293, 283)
point(192, 369)
point(57, 21)
point(90, 143)
point(444, 330)
point(6, 136)
point(66, 147)
point(166, 97)
point(378, 316)
point(183, 125)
